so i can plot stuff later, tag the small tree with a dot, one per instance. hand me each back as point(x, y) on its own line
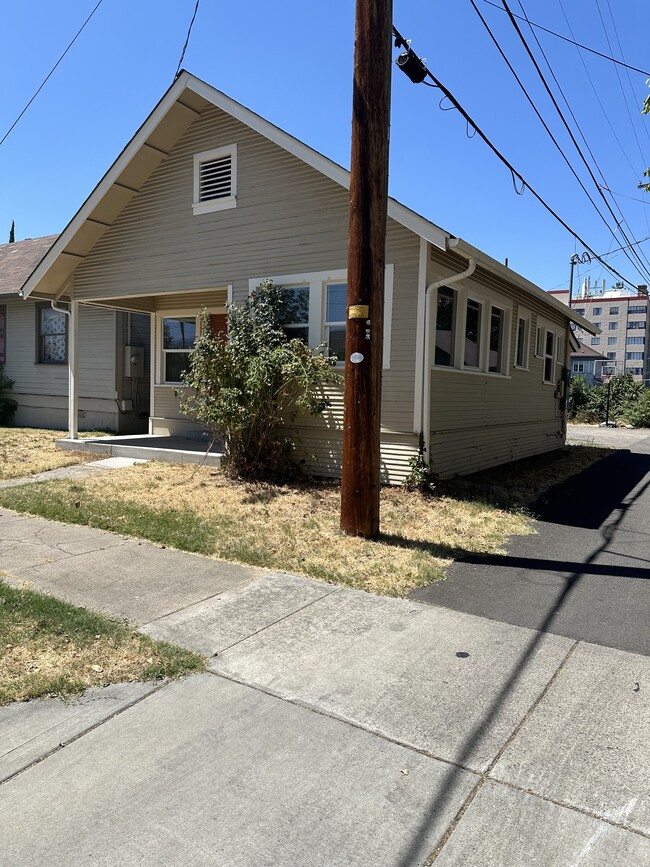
point(246, 387)
point(12, 233)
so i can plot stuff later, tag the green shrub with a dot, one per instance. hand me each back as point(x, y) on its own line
point(247, 387)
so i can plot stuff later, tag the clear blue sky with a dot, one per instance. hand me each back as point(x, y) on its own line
point(292, 63)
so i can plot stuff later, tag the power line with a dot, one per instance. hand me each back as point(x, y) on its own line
point(401, 42)
point(573, 41)
point(541, 119)
point(187, 39)
point(50, 73)
point(575, 120)
point(639, 264)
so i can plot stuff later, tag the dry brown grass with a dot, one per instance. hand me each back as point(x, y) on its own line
point(26, 451)
point(296, 529)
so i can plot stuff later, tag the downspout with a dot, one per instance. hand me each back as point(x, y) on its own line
point(73, 424)
point(426, 379)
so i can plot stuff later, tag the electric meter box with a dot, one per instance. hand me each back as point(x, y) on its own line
point(134, 361)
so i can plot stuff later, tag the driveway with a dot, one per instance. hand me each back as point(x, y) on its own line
point(585, 574)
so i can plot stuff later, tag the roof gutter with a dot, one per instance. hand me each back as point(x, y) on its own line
point(510, 276)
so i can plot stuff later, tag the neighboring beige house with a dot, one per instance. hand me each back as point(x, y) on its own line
point(34, 348)
point(208, 199)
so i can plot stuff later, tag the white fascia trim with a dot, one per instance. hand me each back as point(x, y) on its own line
point(389, 278)
point(515, 279)
point(138, 141)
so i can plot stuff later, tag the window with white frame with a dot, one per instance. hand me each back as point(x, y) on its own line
point(215, 180)
point(521, 345)
point(578, 367)
point(560, 349)
point(178, 336)
point(473, 324)
point(446, 310)
point(497, 355)
point(539, 342)
point(322, 296)
point(549, 357)
point(295, 313)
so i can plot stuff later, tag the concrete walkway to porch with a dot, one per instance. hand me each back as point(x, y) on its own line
point(149, 447)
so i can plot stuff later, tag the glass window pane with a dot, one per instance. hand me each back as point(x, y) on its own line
point(179, 333)
point(294, 332)
point(175, 364)
point(296, 305)
point(336, 302)
point(521, 343)
point(52, 322)
point(2, 349)
point(336, 341)
point(445, 327)
point(53, 348)
point(549, 343)
point(496, 340)
point(472, 333)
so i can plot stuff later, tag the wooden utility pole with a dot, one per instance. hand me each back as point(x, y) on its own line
point(366, 254)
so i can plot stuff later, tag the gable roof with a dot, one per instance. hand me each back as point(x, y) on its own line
point(18, 260)
point(584, 351)
point(182, 104)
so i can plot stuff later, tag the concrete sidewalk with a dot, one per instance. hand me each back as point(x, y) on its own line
point(334, 727)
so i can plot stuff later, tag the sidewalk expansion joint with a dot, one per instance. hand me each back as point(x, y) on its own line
point(83, 733)
point(376, 733)
point(279, 620)
point(485, 775)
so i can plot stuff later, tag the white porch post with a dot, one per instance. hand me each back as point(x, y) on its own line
point(73, 364)
point(153, 362)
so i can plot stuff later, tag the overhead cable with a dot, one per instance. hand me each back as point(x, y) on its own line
point(50, 73)
point(187, 39)
point(401, 42)
point(573, 42)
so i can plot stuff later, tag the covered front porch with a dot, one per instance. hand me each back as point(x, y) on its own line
point(149, 447)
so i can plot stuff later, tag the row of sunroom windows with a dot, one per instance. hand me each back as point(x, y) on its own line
point(473, 335)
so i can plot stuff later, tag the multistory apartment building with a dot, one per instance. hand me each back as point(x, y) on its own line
point(623, 320)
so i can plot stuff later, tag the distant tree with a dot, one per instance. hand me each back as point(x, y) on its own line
point(12, 233)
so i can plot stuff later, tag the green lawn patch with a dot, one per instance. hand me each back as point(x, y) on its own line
point(51, 648)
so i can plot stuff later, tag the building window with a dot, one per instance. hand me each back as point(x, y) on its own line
point(178, 336)
point(613, 311)
point(634, 356)
point(632, 326)
point(597, 324)
point(611, 341)
point(613, 326)
point(539, 342)
point(215, 180)
point(638, 341)
point(549, 357)
point(521, 349)
point(52, 335)
point(335, 304)
point(560, 350)
point(445, 327)
point(3, 334)
point(472, 356)
point(595, 341)
point(609, 371)
point(611, 355)
point(597, 311)
point(580, 311)
point(637, 309)
point(496, 361)
point(578, 367)
point(295, 313)
point(635, 371)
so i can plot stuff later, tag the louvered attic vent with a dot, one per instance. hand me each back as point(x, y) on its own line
point(215, 178)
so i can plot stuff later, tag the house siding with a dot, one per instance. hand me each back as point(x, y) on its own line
point(480, 420)
point(289, 219)
point(42, 389)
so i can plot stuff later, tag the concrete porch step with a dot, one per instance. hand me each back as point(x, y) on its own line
point(180, 450)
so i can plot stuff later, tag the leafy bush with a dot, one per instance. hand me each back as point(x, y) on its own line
point(8, 405)
point(246, 387)
point(620, 399)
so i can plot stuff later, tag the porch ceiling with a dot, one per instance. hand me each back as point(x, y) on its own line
point(167, 301)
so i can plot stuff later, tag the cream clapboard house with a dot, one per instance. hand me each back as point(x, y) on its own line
point(34, 348)
point(208, 199)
